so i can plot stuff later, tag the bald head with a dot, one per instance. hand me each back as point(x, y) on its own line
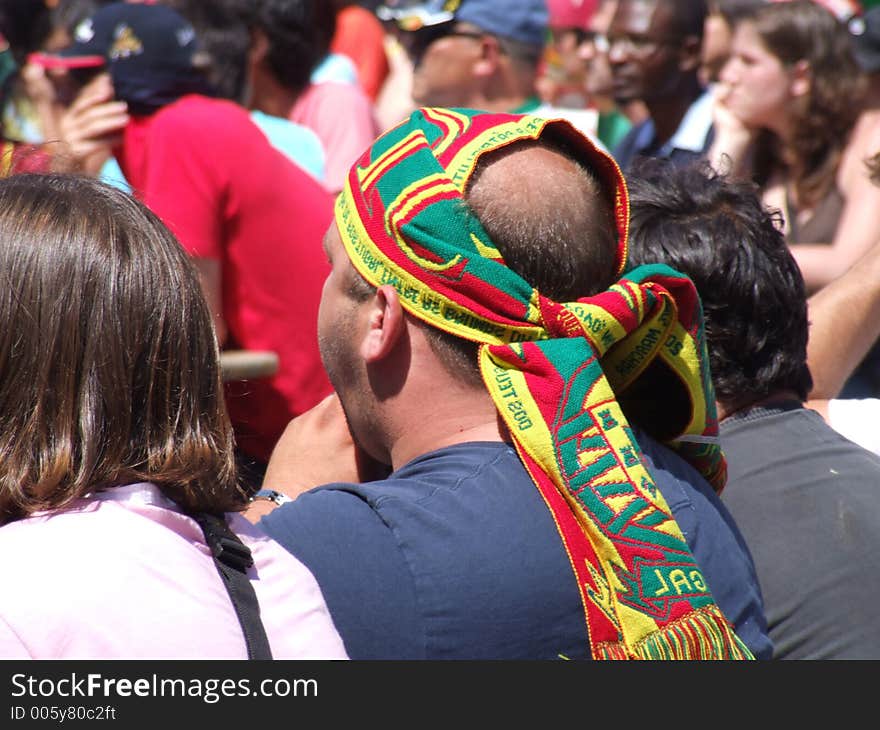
point(548, 216)
point(552, 223)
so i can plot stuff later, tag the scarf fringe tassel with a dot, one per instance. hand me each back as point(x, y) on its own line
point(701, 635)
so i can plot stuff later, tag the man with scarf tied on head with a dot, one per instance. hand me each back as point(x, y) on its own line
point(525, 517)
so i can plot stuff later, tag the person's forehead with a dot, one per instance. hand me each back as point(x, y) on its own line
point(745, 37)
point(332, 241)
point(643, 16)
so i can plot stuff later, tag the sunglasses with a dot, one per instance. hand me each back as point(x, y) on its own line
point(634, 45)
point(583, 35)
point(417, 42)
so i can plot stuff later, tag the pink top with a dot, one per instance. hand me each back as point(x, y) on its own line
point(343, 116)
point(125, 575)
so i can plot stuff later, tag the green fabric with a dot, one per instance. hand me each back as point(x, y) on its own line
point(613, 127)
point(528, 106)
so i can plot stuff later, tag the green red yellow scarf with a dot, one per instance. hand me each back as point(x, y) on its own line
point(559, 373)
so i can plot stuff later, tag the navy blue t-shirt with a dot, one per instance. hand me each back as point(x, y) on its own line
point(456, 556)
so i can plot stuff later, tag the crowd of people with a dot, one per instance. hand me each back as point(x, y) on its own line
point(576, 310)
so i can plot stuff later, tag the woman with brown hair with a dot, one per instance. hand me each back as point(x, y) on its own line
point(790, 115)
point(116, 453)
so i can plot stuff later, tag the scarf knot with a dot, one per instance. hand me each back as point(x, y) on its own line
point(558, 321)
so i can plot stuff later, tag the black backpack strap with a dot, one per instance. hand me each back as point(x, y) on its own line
point(233, 558)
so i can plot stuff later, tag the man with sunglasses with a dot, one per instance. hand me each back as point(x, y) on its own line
point(478, 54)
point(654, 48)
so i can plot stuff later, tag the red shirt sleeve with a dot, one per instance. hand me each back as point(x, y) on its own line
point(176, 179)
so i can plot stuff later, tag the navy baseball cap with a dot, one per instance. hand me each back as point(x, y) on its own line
point(865, 33)
point(150, 51)
point(525, 21)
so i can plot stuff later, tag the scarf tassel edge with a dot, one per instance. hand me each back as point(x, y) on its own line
point(701, 635)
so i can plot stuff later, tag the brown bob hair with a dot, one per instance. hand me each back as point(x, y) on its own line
point(109, 366)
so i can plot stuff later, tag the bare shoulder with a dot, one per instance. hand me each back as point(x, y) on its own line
point(863, 145)
point(866, 132)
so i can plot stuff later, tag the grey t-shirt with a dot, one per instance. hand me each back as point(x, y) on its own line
point(807, 502)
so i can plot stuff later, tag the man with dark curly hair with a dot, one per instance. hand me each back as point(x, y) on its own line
point(804, 497)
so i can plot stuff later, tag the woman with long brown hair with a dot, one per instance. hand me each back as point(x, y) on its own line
point(790, 115)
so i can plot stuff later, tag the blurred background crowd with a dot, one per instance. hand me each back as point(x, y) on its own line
point(237, 122)
point(786, 99)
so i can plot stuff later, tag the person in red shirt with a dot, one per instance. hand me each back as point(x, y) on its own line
point(250, 218)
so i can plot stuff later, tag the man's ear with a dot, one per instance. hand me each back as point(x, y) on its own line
point(490, 54)
point(385, 324)
point(691, 53)
point(259, 46)
point(801, 78)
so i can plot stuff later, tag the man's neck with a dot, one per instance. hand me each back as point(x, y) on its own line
point(727, 410)
point(504, 103)
point(508, 91)
point(668, 112)
point(440, 418)
point(271, 97)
